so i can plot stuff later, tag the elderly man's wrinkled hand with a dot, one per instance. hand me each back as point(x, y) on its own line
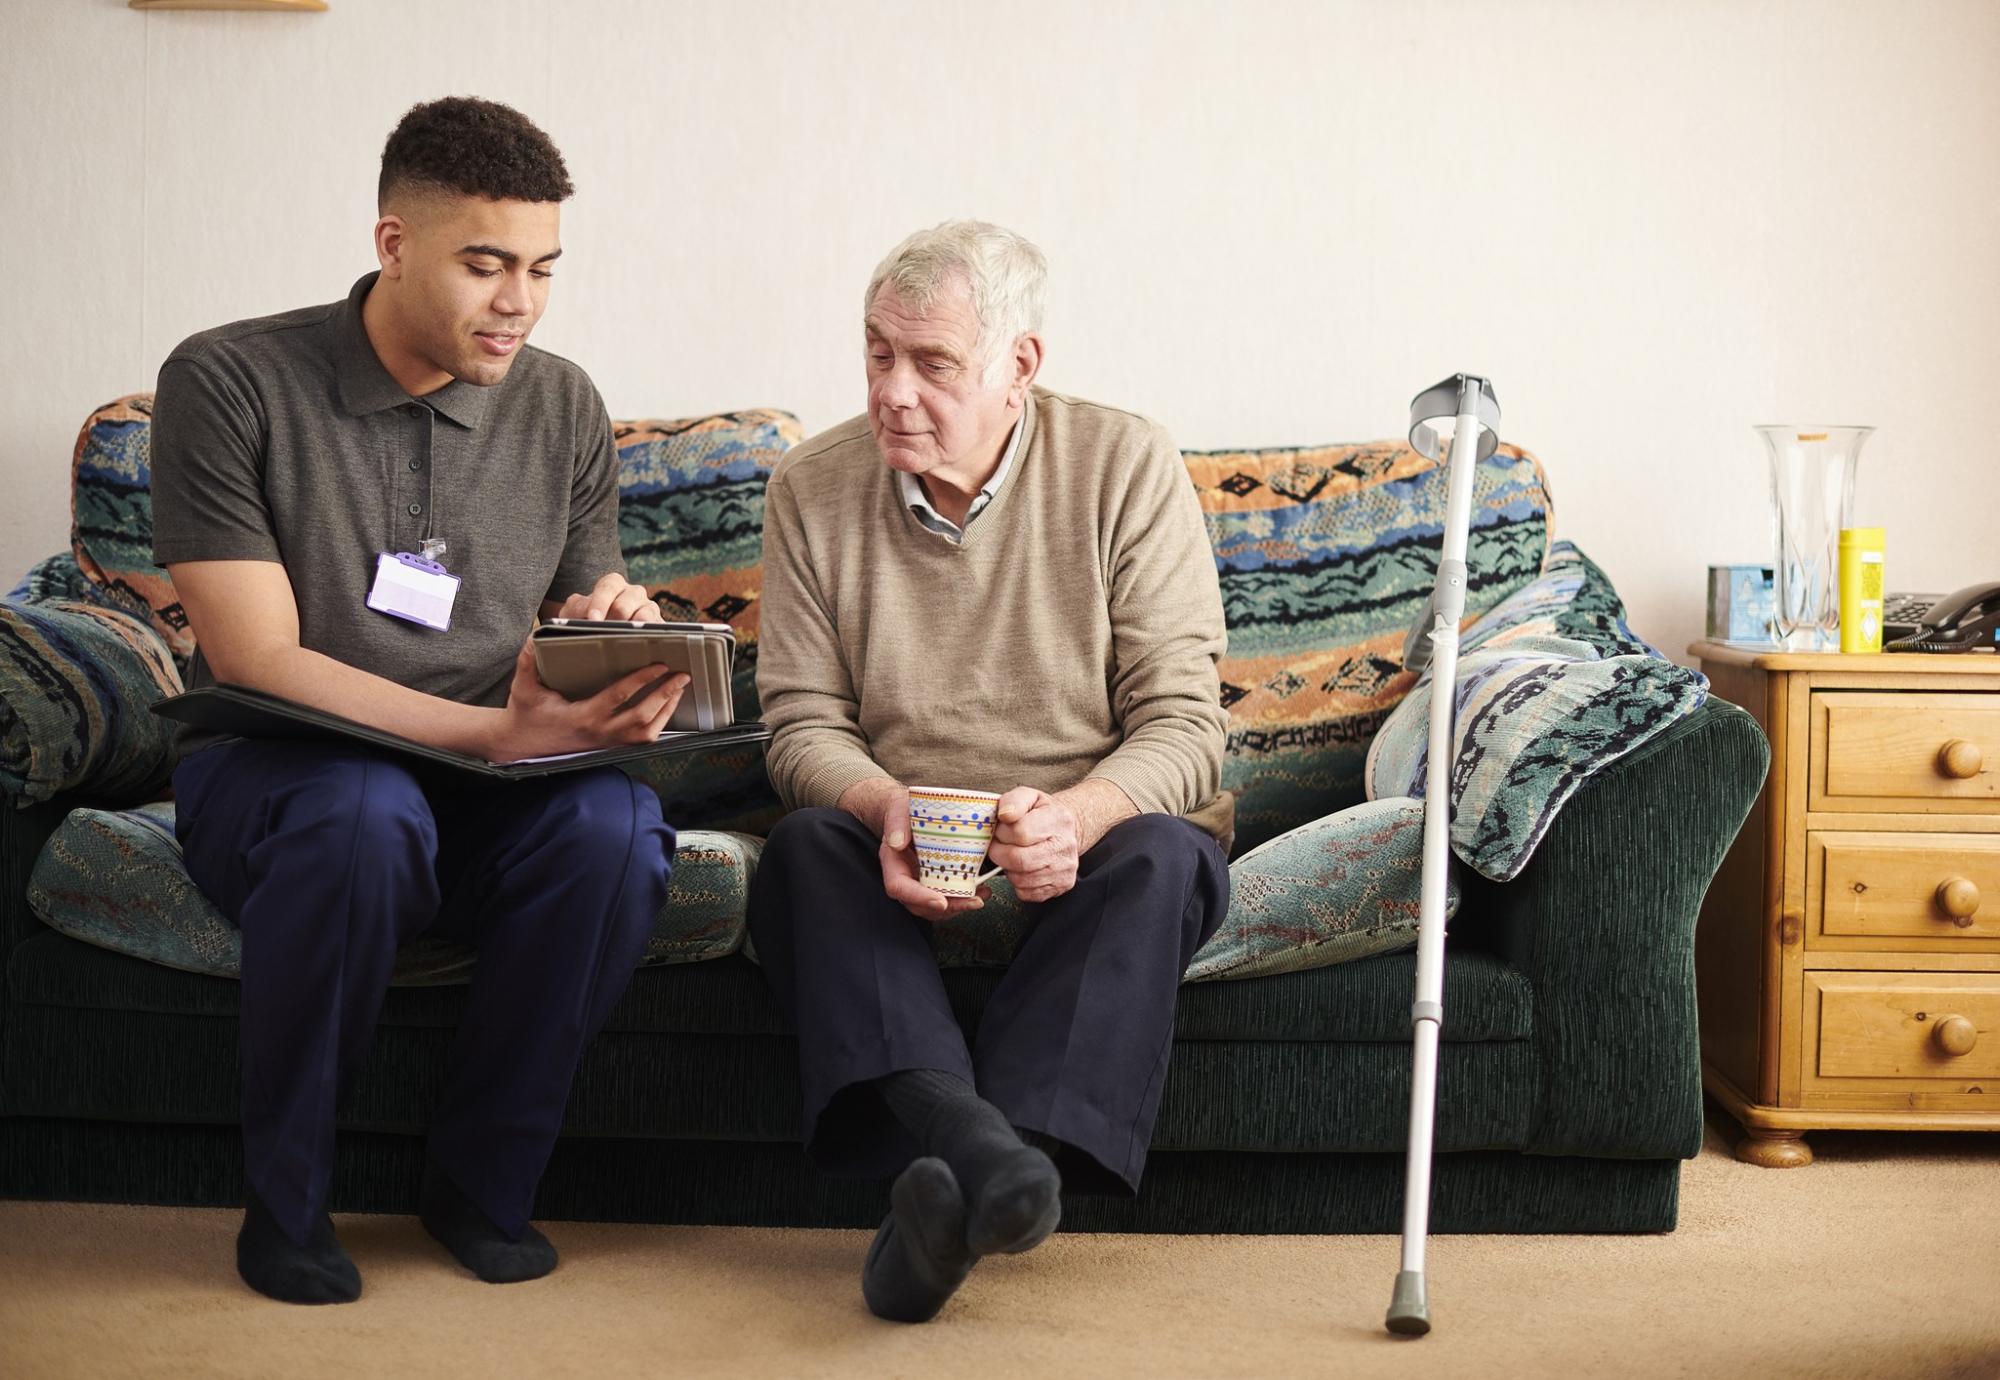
point(899, 866)
point(1036, 841)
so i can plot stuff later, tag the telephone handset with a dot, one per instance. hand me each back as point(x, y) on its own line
point(1959, 622)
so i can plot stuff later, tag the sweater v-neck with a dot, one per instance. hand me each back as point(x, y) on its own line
point(1008, 484)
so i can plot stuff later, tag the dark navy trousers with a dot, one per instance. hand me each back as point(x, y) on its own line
point(329, 858)
point(1075, 1040)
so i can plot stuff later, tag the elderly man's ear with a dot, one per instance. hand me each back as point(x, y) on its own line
point(1027, 364)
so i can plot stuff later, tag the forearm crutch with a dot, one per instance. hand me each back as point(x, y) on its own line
point(1434, 641)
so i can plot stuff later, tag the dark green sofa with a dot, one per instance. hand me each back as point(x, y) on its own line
point(1569, 1077)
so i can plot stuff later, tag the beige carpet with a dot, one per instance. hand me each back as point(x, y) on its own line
point(1882, 1259)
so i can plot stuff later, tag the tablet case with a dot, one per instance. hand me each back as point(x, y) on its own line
point(579, 659)
point(246, 713)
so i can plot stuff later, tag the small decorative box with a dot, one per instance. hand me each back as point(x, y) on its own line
point(1742, 603)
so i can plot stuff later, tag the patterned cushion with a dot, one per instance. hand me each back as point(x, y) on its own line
point(111, 515)
point(115, 879)
point(76, 679)
point(1339, 888)
point(1326, 557)
point(1552, 687)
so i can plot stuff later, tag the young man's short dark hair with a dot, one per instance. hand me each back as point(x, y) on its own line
point(472, 147)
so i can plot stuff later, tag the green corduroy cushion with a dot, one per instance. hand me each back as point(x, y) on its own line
point(1485, 998)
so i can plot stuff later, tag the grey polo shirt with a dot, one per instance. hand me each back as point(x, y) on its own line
point(284, 439)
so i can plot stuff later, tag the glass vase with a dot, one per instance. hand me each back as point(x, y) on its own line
point(1812, 498)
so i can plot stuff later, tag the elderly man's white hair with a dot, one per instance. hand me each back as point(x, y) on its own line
point(1007, 275)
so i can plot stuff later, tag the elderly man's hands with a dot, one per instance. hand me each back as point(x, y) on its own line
point(1037, 839)
point(884, 806)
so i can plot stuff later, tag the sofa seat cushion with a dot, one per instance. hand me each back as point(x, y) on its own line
point(114, 879)
point(76, 681)
point(1485, 998)
point(1326, 556)
point(1552, 687)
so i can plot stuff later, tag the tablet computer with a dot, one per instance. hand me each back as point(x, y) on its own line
point(578, 657)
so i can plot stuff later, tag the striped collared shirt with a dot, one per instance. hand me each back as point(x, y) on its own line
point(920, 504)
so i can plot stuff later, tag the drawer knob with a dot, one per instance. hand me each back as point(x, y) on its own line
point(1958, 898)
point(1955, 1035)
point(1960, 759)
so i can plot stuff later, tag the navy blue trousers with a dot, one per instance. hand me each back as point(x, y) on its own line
point(1075, 1040)
point(329, 858)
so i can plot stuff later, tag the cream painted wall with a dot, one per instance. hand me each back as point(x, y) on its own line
point(1652, 224)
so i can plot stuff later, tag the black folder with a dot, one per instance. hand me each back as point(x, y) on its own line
point(245, 713)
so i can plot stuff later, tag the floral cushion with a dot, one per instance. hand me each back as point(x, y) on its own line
point(76, 681)
point(1326, 558)
point(115, 879)
point(1552, 687)
point(1338, 888)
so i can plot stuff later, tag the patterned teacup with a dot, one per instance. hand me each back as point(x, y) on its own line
point(951, 829)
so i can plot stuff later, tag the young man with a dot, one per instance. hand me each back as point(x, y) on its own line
point(290, 455)
point(984, 584)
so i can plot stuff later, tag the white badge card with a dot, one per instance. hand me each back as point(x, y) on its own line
point(413, 589)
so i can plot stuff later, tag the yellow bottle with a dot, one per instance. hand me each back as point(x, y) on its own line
point(1861, 589)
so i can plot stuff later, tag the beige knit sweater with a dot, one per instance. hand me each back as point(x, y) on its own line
point(1073, 633)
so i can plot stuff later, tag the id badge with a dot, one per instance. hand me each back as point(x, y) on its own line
point(413, 589)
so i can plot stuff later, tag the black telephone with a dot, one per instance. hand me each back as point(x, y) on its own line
point(1959, 622)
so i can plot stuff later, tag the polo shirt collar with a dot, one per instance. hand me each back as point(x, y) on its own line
point(365, 386)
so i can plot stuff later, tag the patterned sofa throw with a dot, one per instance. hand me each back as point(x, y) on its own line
point(115, 879)
point(1339, 888)
point(1553, 687)
point(691, 523)
point(111, 516)
point(76, 680)
point(1325, 557)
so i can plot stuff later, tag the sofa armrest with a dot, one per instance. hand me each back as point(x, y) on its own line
point(77, 686)
point(1602, 921)
point(22, 834)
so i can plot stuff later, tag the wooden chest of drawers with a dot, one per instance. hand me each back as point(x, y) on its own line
point(1848, 956)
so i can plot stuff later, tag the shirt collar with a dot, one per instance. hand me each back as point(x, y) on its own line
point(913, 491)
point(365, 386)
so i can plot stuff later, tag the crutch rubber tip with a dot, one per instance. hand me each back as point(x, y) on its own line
point(1409, 1315)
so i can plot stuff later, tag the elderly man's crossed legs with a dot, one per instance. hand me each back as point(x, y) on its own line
point(1072, 1048)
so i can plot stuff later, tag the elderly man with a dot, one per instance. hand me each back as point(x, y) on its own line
point(984, 584)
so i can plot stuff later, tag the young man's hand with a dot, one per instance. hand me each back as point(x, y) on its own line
point(612, 597)
point(539, 722)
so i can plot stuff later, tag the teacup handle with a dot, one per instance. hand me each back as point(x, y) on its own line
point(988, 875)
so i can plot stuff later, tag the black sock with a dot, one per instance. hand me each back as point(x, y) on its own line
point(1012, 1191)
point(320, 1271)
point(918, 1258)
point(469, 1234)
